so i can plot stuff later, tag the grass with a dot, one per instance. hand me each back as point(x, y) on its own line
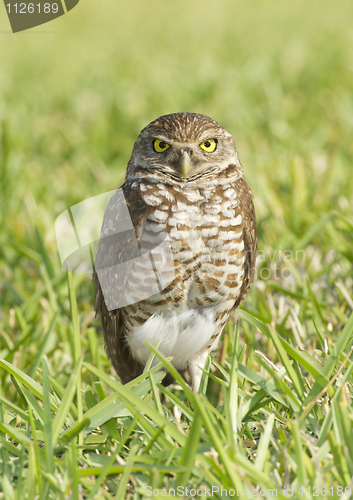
point(274, 412)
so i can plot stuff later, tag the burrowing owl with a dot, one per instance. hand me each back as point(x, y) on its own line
point(184, 184)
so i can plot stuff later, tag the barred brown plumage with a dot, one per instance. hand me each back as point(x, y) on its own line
point(199, 200)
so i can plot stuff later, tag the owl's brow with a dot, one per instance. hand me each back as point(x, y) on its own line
point(208, 138)
point(197, 140)
point(161, 137)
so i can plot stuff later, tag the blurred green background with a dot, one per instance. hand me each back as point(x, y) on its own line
point(74, 94)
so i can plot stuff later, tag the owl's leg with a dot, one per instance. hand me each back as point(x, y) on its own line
point(194, 372)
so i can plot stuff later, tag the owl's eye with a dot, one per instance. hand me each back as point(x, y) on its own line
point(210, 145)
point(160, 146)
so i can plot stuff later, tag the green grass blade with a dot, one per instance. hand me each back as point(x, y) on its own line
point(77, 344)
point(263, 446)
point(121, 492)
point(189, 452)
point(299, 454)
point(47, 419)
point(27, 381)
point(129, 397)
point(63, 409)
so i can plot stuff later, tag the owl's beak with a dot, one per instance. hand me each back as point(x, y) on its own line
point(185, 163)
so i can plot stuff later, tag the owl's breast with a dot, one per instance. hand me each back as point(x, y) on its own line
point(204, 228)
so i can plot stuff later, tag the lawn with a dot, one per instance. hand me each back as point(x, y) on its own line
point(274, 415)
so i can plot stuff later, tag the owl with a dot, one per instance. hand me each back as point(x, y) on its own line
point(185, 202)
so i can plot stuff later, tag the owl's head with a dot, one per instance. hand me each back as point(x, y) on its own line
point(183, 148)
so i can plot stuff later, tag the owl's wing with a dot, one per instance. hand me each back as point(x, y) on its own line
point(249, 237)
point(116, 251)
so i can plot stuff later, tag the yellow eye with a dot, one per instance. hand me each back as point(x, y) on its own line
point(210, 145)
point(160, 146)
